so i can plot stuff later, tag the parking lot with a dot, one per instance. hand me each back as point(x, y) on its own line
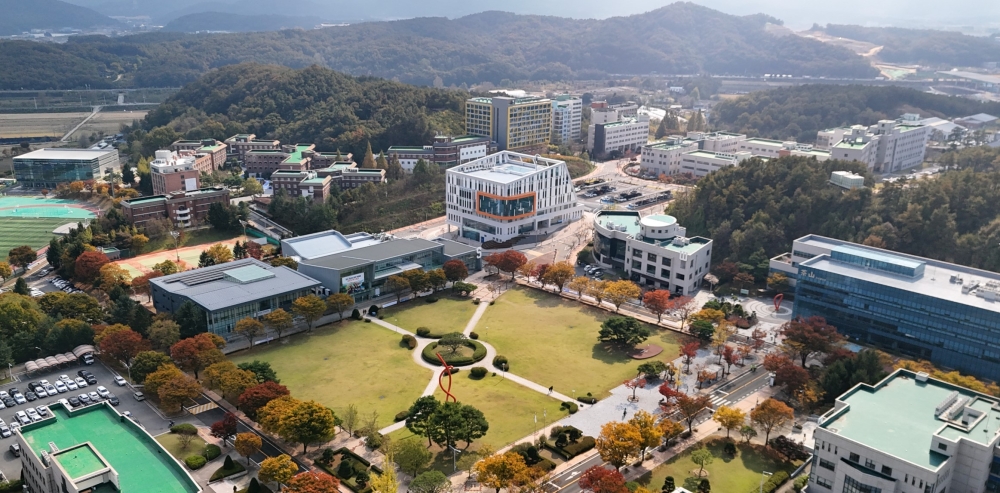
point(603, 192)
point(142, 413)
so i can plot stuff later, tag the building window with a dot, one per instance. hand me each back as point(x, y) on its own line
point(664, 273)
point(854, 457)
point(826, 483)
point(942, 446)
point(637, 253)
point(825, 464)
point(680, 276)
point(853, 486)
point(651, 269)
point(636, 264)
point(887, 470)
point(869, 464)
point(665, 261)
point(651, 257)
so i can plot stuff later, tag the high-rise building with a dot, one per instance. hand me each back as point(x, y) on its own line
point(567, 119)
point(47, 168)
point(619, 137)
point(506, 195)
point(515, 124)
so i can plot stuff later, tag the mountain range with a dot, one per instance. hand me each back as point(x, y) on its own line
point(20, 16)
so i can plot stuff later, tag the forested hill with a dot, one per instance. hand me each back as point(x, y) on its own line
point(492, 46)
point(799, 112)
point(17, 16)
point(236, 23)
point(316, 105)
point(922, 46)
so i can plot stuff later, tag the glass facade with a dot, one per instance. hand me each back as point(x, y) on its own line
point(223, 321)
point(50, 172)
point(610, 250)
point(853, 486)
point(506, 207)
point(955, 335)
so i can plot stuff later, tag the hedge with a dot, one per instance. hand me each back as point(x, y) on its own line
point(774, 482)
point(14, 485)
point(211, 452)
point(569, 406)
point(409, 341)
point(401, 416)
point(573, 449)
point(479, 352)
point(427, 333)
point(184, 429)
point(224, 472)
point(195, 461)
point(478, 372)
point(587, 399)
point(359, 465)
point(500, 360)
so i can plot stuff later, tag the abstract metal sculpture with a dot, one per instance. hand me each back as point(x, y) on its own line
point(447, 371)
point(777, 301)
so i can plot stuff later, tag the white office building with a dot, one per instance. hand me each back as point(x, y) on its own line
point(567, 119)
point(700, 163)
point(859, 145)
point(825, 139)
point(628, 134)
point(506, 195)
point(717, 141)
point(901, 145)
point(908, 434)
point(654, 251)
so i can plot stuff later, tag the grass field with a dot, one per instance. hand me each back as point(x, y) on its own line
point(347, 363)
point(34, 232)
point(553, 341)
point(171, 442)
point(108, 122)
point(737, 474)
point(448, 314)
point(38, 124)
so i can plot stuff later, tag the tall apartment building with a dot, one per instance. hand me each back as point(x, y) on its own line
point(928, 309)
point(908, 433)
point(183, 208)
point(515, 124)
point(567, 119)
point(654, 251)
point(215, 150)
point(47, 168)
point(239, 145)
point(171, 172)
point(445, 152)
point(901, 144)
point(617, 138)
point(506, 195)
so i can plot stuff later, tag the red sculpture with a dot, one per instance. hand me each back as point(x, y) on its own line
point(777, 301)
point(447, 371)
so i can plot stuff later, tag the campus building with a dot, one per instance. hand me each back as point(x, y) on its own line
point(701, 163)
point(901, 144)
point(47, 168)
point(445, 152)
point(908, 434)
point(302, 184)
point(654, 251)
point(928, 309)
point(173, 171)
point(239, 145)
point(230, 292)
point(183, 208)
point(567, 119)
point(215, 150)
point(359, 264)
point(96, 449)
point(515, 124)
point(507, 195)
point(618, 137)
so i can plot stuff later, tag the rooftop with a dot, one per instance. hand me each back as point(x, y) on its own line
point(505, 167)
point(851, 144)
point(296, 155)
point(376, 252)
point(627, 221)
point(67, 153)
point(324, 243)
point(141, 464)
point(710, 154)
point(758, 140)
point(900, 415)
point(232, 283)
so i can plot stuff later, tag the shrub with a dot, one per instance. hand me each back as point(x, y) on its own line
point(211, 452)
point(409, 341)
point(184, 429)
point(368, 320)
point(493, 302)
point(327, 457)
point(587, 399)
point(800, 482)
point(356, 314)
point(14, 485)
point(668, 485)
point(195, 462)
point(475, 301)
point(374, 440)
point(704, 486)
point(400, 416)
point(632, 486)
point(478, 372)
point(254, 486)
point(570, 406)
point(431, 299)
point(346, 469)
point(228, 469)
point(573, 449)
point(775, 481)
point(571, 433)
point(423, 332)
point(429, 354)
point(473, 335)
point(228, 463)
point(361, 478)
point(729, 449)
point(499, 361)
point(380, 316)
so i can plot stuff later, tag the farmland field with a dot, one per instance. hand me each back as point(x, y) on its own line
point(38, 124)
point(107, 121)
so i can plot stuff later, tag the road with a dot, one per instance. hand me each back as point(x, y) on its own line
point(97, 109)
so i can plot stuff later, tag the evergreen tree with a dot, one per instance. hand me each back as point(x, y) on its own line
point(369, 161)
point(239, 250)
point(661, 129)
point(380, 162)
point(55, 252)
point(21, 287)
point(395, 169)
point(128, 176)
point(205, 260)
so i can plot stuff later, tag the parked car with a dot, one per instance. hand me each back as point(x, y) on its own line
point(92, 380)
point(71, 385)
point(19, 398)
point(94, 397)
point(33, 414)
point(113, 399)
point(22, 417)
point(103, 392)
point(88, 359)
point(2, 405)
point(74, 401)
point(51, 389)
point(82, 373)
point(61, 387)
point(39, 391)
point(64, 378)
point(8, 402)
point(84, 399)
point(4, 431)
point(43, 411)
point(30, 396)
point(120, 381)
point(139, 396)
point(80, 382)
point(15, 449)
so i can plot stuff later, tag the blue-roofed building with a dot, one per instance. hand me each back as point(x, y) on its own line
point(922, 308)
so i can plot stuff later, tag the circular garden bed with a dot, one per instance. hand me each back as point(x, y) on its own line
point(471, 353)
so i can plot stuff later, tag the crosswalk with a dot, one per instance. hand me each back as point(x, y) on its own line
point(719, 399)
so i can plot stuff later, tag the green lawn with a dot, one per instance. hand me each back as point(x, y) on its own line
point(346, 363)
point(171, 442)
point(34, 232)
point(553, 341)
point(737, 474)
point(448, 314)
point(509, 408)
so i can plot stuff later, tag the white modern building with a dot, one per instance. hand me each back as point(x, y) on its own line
point(857, 145)
point(825, 139)
point(908, 434)
point(506, 195)
point(654, 251)
point(717, 141)
point(628, 134)
point(664, 158)
point(846, 179)
point(901, 144)
point(700, 163)
point(567, 119)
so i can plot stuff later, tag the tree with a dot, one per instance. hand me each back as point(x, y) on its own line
point(306, 423)
point(670, 429)
point(634, 384)
point(251, 187)
point(771, 414)
point(234, 383)
point(411, 456)
point(258, 396)
point(618, 442)
point(140, 285)
point(418, 416)
point(112, 276)
point(224, 428)
point(455, 270)
point(386, 482)
point(652, 369)
point(721, 334)
point(247, 444)
point(702, 457)
point(313, 482)
point(279, 321)
point(599, 479)
point(339, 303)
point(657, 302)
point(618, 292)
point(5, 272)
point(689, 407)
point(250, 328)
point(261, 370)
point(501, 471)
point(688, 352)
point(172, 387)
point(351, 419)
point(418, 280)
point(284, 262)
point(164, 333)
point(794, 378)
point(166, 267)
point(649, 431)
point(310, 307)
point(219, 254)
point(430, 482)
point(445, 425)
point(87, 266)
point(21, 287)
point(278, 469)
point(778, 282)
point(474, 424)
point(54, 255)
point(510, 261)
point(805, 337)
point(580, 284)
point(558, 274)
point(6, 357)
point(369, 159)
point(747, 432)
point(397, 285)
point(147, 362)
point(198, 352)
point(21, 256)
point(730, 418)
point(124, 345)
point(730, 356)
point(437, 279)
point(626, 331)
point(453, 341)
point(743, 279)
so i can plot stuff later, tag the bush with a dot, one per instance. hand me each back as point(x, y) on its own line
point(374, 440)
point(356, 314)
point(211, 452)
point(14, 485)
point(195, 462)
point(430, 354)
point(346, 469)
point(570, 450)
point(409, 341)
point(361, 477)
point(774, 482)
point(632, 486)
point(327, 458)
point(431, 299)
point(499, 361)
point(800, 482)
point(571, 433)
point(401, 416)
point(473, 335)
point(587, 399)
point(423, 332)
point(184, 429)
point(228, 463)
point(668, 485)
point(729, 449)
point(570, 406)
point(493, 302)
point(475, 301)
point(704, 486)
point(228, 469)
point(478, 372)
point(368, 320)
point(254, 486)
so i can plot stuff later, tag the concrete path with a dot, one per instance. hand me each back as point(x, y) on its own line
point(469, 327)
point(65, 138)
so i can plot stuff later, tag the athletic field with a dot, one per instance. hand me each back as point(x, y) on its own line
point(30, 220)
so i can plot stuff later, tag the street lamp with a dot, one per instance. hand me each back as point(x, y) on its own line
point(762, 475)
point(244, 224)
point(454, 454)
point(176, 234)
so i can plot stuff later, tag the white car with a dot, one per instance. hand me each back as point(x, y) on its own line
point(51, 389)
point(61, 387)
point(4, 431)
point(103, 392)
point(94, 397)
point(80, 382)
point(70, 384)
point(2, 405)
point(64, 378)
point(33, 414)
point(22, 417)
point(43, 411)
point(120, 381)
point(19, 398)
point(43, 382)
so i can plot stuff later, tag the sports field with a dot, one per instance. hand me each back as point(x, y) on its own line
point(137, 266)
point(30, 220)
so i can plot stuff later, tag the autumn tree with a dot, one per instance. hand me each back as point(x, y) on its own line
point(778, 282)
point(196, 353)
point(769, 415)
point(580, 285)
point(123, 345)
point(279, 321)
point(650, 433)
point(219, 253)
point(730, 356)
point(437, 279)
point(247, 444)
point(308, 422)
point(599, 479)
point(313, 482)
point(164, 333)
point(21, 256)
point(558, 274)
point(140, 285)
point(166, 267)
point(397, 285)
point(657, 302)
point(310, 307)
point(235, 382)
point(501, 471)
point(596, 289)
point(786, 372)
point(278, 469)
point(455, 270)
point(5, 272)
point(87, 266)
point(147, 362)
point(618, 442)
point(250, 328)
point(730, 418)
point(619, 292)
point(743, 279)
point(257, 396)
point(386, 482)
point(510, 261)
point(172, 387)
point(689, 407)
point(670, 429)
point(721, 335)
point(710, 315)
point(224, 428)
point(688, 352)
point(626, 331)
point(339, 303)
point(112, 276)
point(805, 337)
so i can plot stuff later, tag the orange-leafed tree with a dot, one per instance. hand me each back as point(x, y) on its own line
point(123, 345)
point(197, 353)
point(657, 302)
point(313, 482)
point(87, 267)
point(688, 352)
point(599, 479)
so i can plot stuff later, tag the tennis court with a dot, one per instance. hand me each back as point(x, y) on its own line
point(31, 220)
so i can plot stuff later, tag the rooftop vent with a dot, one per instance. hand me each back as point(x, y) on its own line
point(946, 403)
point(922, 376)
